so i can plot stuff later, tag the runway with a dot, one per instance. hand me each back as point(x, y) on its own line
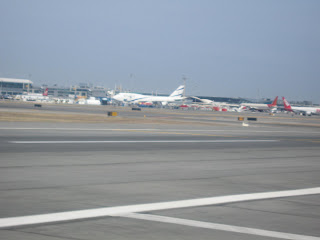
point(64, 168)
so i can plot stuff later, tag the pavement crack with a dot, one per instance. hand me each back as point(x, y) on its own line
point(47, 235)
point(265, 211)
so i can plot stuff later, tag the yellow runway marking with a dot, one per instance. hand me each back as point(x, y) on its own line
point(302, 140)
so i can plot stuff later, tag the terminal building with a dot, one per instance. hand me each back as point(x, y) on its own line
point(12, 86)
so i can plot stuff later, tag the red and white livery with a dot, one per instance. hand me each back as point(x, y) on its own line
point(262, 107)
point(308, 111)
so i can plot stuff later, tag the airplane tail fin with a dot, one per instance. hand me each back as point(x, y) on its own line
point(45, 92)
point(286, 104)
point(275, 101)
point(178, 92)
point(242, 108)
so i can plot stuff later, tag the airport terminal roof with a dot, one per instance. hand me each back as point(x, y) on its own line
point(14, 80)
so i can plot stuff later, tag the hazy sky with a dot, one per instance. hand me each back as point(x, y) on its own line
point(239, 48)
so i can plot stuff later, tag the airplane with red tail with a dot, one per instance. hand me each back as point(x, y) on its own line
point(307, 111)
point(261, 106)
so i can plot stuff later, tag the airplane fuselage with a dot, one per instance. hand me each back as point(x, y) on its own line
point(307, 110)
point(136, 98)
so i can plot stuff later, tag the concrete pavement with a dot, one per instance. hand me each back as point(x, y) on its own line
point(42, 178)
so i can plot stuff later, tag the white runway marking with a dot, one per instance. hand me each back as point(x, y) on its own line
point(222, 227)
point(122, 210)
point(146, 141)
point(155, 129)
point(86, 129)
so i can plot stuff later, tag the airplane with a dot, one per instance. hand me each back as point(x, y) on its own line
point(202, 101)
point(177, 95)
point(262, 107)
point(34, 96)
point(307, 111)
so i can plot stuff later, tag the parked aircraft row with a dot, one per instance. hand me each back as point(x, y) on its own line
point(178, 96)
point(177, 99)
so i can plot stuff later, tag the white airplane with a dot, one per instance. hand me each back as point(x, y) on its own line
point(202, 100)
point(301, 110)
point(35, 96)
point(177, 95)
point(261, 106)
point(216, 106)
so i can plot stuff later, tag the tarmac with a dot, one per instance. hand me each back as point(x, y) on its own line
point(196, 175)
